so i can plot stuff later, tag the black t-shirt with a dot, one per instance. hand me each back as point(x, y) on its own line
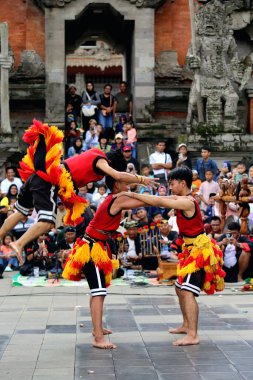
point(40, 155)
point(107, 101)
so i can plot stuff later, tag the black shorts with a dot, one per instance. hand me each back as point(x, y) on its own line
point(41, 195)
point(193, 282)
point(95, 278)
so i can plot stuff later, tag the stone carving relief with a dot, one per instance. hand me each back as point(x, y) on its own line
point(221, 74)
point(167, 65)
point(31, 66)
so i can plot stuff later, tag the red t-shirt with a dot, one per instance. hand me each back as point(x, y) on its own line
point(83, 167)
point(104, 221)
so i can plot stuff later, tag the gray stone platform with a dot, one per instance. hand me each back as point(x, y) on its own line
point(42, 337)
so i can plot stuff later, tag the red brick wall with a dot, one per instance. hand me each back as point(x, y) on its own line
point(172, 28)
point(26, 26)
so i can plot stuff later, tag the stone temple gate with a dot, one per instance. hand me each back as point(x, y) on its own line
point(67, 23)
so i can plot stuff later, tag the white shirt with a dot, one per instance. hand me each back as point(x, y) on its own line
point(173, 223)
point(229, 256)
point(207, 188)
point(131, 248)
point(160, 158)
point(5, 184)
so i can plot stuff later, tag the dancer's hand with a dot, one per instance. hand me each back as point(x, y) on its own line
point(148, 181)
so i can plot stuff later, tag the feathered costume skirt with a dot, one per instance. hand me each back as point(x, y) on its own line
point(202, 253)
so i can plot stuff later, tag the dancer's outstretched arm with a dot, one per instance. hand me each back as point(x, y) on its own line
point(176, 202)
point(123, 176)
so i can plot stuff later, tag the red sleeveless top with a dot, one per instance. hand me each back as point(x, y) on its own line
point(83, 167)
point(193, 226)
point(104, 222)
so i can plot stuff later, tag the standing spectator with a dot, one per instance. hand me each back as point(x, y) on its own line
point(161, 162)
point(10, 180)
point(127, 153)
point(90, 97)
point(77, 148)
point(118, 142)
point(182, 158)
point(8, 259)
point(106, 111)
point(205, 163)
point(74, 99)
point(206, 188)
point(132, 138)
point(123, 102)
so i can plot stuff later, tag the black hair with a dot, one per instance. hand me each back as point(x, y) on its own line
point(117, 162)
point(215, 218)
point(234, 226)
point(9, 195)
point(8, 168)
point(123, 82)
point(102, 185)
point(241, 163)
point(212, 195)
point(108, 84)
point(145, 166)
point(161, 141)
point(206, 148)
point(183, 174)
point(5, 236)
point(102, 136)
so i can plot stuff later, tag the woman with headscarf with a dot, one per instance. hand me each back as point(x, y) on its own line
point(77, 148)
point(7, 203)
point(90, 98)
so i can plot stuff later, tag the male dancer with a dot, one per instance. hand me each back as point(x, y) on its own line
point(200, 262)
point(45, 178)
point(91, 254)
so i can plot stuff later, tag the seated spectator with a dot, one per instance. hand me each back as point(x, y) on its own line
point(60, 213)
point(69, 239)
point(103, 143)
point(157, 216)
point(225, 170)
point(132, 138)
point(77, 148)
point(83, 192)
point(7, 203)
point(183, 158)
point(165, 239)
point(142, 216)
point(127, 153)
point(146, 171)
point(9, 180)
point(124, 133)
point(119, 125)
point(8, 258)
point(100, 196)
point(210, 210)
point(71, 134)
point(250, 174)
point(39, 254)
point(215, 227)
point(161, 192)
point(196, 182)
point(237, 250)
point(132, 245)
point(91, 138)
point(118, 145)
point(173, 220)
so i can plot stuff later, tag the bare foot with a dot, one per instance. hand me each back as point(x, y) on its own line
point(179, 330)
point(186, 341)
point(103, 344)
point(240, 279)
point(17, 249)
point(105, 332)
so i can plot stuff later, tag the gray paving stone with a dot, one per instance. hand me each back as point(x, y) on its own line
point(143, 376)
point(221, 376)
point(175, 369)
point(61, 329)
point(190, 376)
point(203, 368)
point(247, 375)
point(95, 376)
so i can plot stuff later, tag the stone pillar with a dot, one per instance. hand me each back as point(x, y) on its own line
point(55, 65)
point(80, 83)
point(143, 63)
point(5, 64)
point(250, 94)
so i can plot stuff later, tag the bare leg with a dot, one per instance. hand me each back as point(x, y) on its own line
point(97, 304)
point(191, 312)
point(184, 327)
point(105, 331)
point(243, 262)
point(32, 233)
point(10, 223)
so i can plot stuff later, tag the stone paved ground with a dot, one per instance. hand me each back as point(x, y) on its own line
point(41, 337)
